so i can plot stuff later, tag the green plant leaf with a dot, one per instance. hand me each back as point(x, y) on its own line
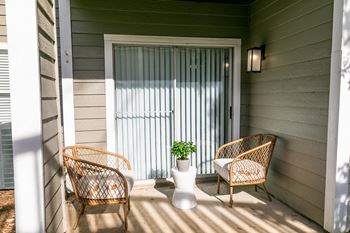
point(182, 150)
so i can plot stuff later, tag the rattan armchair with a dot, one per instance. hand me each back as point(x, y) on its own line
point(98, 178)
point(245, 162)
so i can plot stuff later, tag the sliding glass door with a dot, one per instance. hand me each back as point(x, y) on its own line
point(164, 94)
point(201, 101)
point(144, 108)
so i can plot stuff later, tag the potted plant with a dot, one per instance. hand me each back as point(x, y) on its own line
point(181, 150)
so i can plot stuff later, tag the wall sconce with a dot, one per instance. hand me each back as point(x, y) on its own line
point(255, 57)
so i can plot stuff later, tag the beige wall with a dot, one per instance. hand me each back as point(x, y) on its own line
point(92, 19)
point(3, 33)
point(289, 97)
point(50, 117)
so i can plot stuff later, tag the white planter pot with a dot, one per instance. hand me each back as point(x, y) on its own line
point(183, 165)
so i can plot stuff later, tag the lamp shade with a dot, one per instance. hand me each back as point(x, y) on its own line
point(254, 59)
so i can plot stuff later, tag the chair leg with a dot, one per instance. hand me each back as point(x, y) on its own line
point(79, 214)
point(129, 203)
point(267, 193)
point(218, 188)
point(126, 210)
point(231, 193)
point(256, 188)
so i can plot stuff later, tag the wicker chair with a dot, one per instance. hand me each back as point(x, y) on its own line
point(98, 178)
point(245, 162)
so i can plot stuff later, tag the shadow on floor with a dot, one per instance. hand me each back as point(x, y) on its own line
point(151, 211)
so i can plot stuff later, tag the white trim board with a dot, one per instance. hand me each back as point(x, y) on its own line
point(59, 119)
point(338, 149)
point(110, 97)
point(3, 45)
point(109, 40)
point(26, 114)
point(67, 72)
point(173, 41)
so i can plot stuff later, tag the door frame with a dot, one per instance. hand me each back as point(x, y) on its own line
point(110, 40)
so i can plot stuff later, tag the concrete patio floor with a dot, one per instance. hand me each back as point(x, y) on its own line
point(151, 211)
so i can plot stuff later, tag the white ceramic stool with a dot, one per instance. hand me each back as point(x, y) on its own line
point(184, 196)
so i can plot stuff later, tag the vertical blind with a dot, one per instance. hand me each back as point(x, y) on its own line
point(165, 94)
point(201, 105)
point(6, 156)
point(5, 112)
point(144, 107)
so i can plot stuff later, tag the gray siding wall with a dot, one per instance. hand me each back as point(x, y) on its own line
point(50, 117)
point(3, 33)
point(92, 19)
point(289, 98)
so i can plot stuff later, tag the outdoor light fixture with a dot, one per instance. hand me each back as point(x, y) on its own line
point(255, 57)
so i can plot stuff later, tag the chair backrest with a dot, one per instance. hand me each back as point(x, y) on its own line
point(237, 147)
point(98, 156)
point(250, 142)
point(86, 153)
point(262, 153)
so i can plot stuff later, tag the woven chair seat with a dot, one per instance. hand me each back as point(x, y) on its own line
point(101, 186)
point(244, 170)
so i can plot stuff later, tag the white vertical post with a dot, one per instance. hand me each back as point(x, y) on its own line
point(110, 97)
point(59, 126)
point(67, 72)
point(338, 146)
point(22, 30)
point(236, 106)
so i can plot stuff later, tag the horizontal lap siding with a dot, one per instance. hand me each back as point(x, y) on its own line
point(289, 98)
point(3, 33)
point(92, 19)
point(50, 117)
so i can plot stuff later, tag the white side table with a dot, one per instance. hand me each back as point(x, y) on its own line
point(184, 196)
